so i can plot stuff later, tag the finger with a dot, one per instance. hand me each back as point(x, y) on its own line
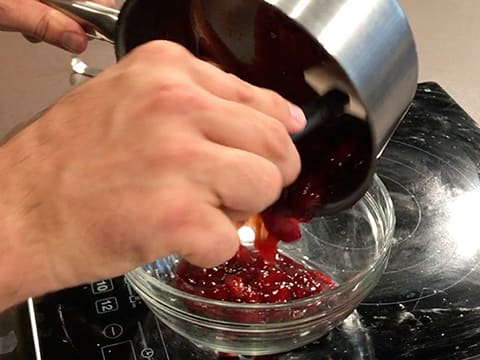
point(207, 237)
point(231, 87)
point(229, 124)
point(223, 85)
point(237, 126)
point(32, 38)
point(110, 3)
point(42, 22)
point(238, 217)
point(240, 181)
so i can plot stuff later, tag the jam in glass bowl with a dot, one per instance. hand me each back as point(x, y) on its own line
point(349, 249)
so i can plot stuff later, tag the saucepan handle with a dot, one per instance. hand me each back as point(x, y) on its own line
point(98, 20)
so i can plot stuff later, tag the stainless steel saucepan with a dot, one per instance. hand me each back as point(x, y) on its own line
point(300, 48)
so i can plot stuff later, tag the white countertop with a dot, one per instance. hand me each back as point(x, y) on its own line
point(446, 32)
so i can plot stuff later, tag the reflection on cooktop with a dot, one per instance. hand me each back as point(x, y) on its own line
point(426, 306)
point(351, 340)
point(435, 243)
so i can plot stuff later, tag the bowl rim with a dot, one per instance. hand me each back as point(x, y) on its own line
point(138, 277)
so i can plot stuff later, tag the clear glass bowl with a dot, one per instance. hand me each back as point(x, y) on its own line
point(351, 246)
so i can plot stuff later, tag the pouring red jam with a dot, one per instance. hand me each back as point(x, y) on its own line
point(334, 160)
point(336, 155)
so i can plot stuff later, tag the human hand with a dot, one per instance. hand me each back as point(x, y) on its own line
point(159, 154)
point(39, 22)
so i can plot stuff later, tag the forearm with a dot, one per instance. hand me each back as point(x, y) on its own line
point(13, 285)
point(22, 269)
point(21, 274)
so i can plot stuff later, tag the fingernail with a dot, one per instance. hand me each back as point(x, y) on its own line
point(73, 42)
point(298, 115)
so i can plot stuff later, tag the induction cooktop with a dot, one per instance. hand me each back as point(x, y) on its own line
point(426, 306)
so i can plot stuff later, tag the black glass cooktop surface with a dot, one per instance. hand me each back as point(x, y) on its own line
point(426, 306)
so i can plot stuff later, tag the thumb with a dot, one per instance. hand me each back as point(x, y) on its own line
point(42, 22)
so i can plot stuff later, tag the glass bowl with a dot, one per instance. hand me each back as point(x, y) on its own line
point(352, 247)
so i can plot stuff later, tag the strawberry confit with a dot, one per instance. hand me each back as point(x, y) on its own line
point(335, 157)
